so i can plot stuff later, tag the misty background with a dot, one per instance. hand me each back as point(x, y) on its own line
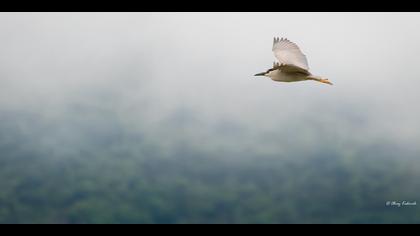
point(157, 118)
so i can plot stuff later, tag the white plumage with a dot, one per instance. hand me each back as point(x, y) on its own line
point(289, 53)
point(292, 64)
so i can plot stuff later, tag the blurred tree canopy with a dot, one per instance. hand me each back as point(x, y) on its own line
point(115, 177)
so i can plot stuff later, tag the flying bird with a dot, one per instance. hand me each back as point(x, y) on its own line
point(292, 65)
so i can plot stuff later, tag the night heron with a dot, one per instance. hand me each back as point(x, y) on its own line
point(292, 65)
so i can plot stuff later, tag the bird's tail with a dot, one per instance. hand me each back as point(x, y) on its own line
point(319, 79)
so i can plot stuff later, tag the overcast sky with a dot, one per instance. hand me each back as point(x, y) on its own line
point(146, 66)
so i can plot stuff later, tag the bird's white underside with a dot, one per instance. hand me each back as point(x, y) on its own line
point(279, 75)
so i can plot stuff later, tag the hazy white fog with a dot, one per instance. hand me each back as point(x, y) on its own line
point(146, 68)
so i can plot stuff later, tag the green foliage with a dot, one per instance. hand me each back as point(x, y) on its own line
point(125, 180)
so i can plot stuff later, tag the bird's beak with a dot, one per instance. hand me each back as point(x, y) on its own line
point(260, 74)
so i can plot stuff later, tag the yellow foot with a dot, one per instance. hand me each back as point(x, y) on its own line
point(325, 81)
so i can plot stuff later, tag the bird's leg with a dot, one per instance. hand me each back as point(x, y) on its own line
point(319, 79)
point(325, 81)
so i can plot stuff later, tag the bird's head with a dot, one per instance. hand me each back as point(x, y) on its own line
point(270, 73)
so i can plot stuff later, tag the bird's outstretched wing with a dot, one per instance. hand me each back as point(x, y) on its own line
point(289, 53)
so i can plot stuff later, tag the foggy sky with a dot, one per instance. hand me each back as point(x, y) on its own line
point(188, 77)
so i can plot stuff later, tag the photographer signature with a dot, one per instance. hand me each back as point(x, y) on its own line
point(400, 204)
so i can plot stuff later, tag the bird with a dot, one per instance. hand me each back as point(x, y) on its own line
point(292, 65)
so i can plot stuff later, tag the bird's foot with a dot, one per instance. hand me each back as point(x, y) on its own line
point(325, 81)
